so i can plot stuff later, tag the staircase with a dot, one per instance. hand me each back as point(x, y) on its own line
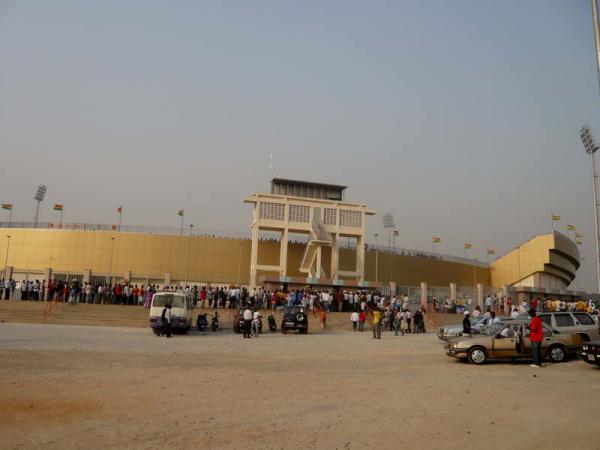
point(318, 238)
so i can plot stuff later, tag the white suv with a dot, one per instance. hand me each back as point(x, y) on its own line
point(580, 323)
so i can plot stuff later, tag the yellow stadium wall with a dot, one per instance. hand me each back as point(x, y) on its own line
point(220, 260)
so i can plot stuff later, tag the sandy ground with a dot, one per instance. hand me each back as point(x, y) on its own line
point(98, 387)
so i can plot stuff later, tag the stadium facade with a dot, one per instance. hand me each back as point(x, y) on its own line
point(331, 252)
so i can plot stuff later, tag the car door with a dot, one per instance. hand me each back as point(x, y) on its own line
point(546, 341)
point(565, 322)
point(586, 323)
point(505, 341)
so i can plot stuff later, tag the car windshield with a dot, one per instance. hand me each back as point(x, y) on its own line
point(176, 301)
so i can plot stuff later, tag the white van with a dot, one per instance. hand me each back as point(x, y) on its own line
point(181, 311)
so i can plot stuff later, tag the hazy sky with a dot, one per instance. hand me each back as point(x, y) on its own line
point(460, 117)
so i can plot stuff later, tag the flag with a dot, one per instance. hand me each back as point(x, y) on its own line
point(396, 233)
point(578, 242)
point(554, 217)
point(436, 239)
point(491, 251)
point(114, 227)
point(571, 227)
point(120, 209)
point(468, 245)
point(58, 207)
point(180, 212)
point(7, 206)
point(578, 235)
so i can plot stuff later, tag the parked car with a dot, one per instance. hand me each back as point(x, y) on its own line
point(590, 352)
point(294, 318)
point(512, 342)
point(581, 323)
point(477, 323)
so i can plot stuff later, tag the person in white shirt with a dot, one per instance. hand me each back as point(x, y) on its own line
point(514, 314)
point(476, 312)
point(255, 323)
point(488, 304)
point(247, 322)
point(354, 320)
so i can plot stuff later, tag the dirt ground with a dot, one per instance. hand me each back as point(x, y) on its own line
point(67, 386)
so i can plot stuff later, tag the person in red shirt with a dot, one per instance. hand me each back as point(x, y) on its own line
point(536, 336)
point(362, 317)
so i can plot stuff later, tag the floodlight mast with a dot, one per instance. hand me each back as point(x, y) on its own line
point(591, 147)
point(388, 224)
point(39, 197)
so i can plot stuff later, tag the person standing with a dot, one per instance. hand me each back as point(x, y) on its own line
point(467, 324)
point(377, 324)
point(166, 320)
point(354, 319)
point(397, 319)
point(536, 336)
point(255, 323)
point(488, 304)
point(362, 317)
point(247, 322)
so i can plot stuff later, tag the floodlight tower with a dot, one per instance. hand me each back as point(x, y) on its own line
point(590, 147)
point(39, 197)
point(388, 224)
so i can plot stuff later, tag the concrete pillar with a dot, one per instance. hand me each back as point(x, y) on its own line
point(505, 291)
point(392, 288)
point(127, 276)
point(480, 295)
point(167, 278)
point(360, 258)
point(254, 256)
point(87, 276)
point(335, 255)
point(453, 292)
point(283, 251)
point(423, 294)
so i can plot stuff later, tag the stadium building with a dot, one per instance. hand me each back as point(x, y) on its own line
point(302, 234)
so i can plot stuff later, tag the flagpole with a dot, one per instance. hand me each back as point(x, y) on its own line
point(181, 226)
point(61, 212)
point(10, 218)
point(120, 217)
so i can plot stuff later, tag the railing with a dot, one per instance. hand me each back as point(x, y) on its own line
point(209, 232)
point(422, 254)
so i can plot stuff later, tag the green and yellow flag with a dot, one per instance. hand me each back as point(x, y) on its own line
point(571, 227)
point(578, 242)
point(491, 251)
point(180, 212)
point(58, 207)
point(7, 206)
point(555, 217)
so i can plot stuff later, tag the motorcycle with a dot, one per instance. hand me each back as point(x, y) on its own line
point(272, 323)
point(201, 322)
point(214, 323)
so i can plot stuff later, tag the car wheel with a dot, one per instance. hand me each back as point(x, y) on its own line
point(477, 355)
point(556, 354)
